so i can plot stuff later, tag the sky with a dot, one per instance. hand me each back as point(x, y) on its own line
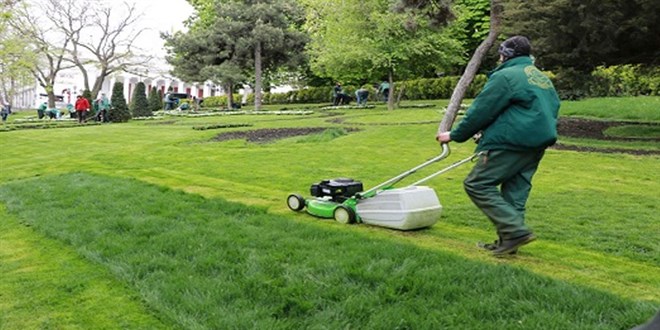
point(161, 16)
point(158, 16)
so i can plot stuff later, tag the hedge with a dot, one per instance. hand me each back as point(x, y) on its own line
point(625, 80)
point(621, 80)
point(419, 89)
point(219, 101)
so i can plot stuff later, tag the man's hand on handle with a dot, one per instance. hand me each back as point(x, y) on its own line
point(443, 137)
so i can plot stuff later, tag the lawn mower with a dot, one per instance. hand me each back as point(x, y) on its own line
point(407, 208)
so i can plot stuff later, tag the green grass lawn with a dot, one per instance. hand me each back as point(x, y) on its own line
point(151, 224)
point(635, 131)
point(643, 108)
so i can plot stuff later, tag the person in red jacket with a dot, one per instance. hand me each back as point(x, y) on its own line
point(82, 106)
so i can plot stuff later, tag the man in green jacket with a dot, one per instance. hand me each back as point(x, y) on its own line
point(41, 111)
point(103, 105)
point(516, 114)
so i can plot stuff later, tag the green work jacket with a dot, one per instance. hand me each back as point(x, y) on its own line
point(104, 103)
point(516, 110)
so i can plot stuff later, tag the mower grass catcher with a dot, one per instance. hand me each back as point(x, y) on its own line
point(407, 208)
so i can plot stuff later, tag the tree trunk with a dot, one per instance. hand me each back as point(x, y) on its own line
point(12, 91)
point(85, 77)
point(257, 76)
point(51, 97)
point(8, 93)
point(48, 85)
point(390, 94)
point(230, 95)
point(399, 96)
point(472, 68)
point(98, 84)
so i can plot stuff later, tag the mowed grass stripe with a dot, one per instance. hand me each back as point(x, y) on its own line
point(603, 248)
point(210, 264)
point(45, 284)
point(625, 277)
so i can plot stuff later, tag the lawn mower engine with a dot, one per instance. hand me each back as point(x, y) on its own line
point(339, 190)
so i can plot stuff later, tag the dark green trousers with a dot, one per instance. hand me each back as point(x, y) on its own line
point(499, 185)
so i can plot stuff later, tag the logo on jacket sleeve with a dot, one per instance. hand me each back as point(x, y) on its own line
point(537, 78)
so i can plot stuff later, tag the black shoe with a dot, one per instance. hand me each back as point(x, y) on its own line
point(508, 245)
point(493, 246)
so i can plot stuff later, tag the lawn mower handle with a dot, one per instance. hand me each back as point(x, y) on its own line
point(445, 152)
point(450, 167)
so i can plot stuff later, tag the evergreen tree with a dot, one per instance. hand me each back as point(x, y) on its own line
point(119, 111)
point(155, 99)
point(229, 40)
point(582, 35)
point(139, 104)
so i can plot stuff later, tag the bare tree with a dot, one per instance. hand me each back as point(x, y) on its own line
point(49, 45)
point(100, 36)
point(70, 19)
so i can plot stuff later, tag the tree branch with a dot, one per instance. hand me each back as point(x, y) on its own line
point(472, 68)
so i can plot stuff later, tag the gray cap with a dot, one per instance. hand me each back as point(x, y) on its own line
point(514, 47)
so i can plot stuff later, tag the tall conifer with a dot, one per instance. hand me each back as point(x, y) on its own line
point(119, 112)
point(139, 105)
point(155, 99)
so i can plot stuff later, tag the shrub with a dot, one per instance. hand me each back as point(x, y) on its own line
point(139, 104)
point(313, 95)
point(476, 86)
point(119, 111)
point(571, 84)
point(155, 99)
point(274, 98)
point(625, 80)
point(219, 101)
point(618, 80)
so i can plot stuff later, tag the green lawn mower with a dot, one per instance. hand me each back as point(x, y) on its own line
point(406, 208)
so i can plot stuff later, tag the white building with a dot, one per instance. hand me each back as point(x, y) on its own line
point(70, 83)
point(154, 17)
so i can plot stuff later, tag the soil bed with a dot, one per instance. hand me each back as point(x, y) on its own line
point(640, 152)
point(593, 129)
point(265, 135)
point(569, 127)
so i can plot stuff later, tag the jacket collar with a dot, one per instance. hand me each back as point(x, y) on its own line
point(513, 62)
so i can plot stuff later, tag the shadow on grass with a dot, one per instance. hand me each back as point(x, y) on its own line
point(208, 263)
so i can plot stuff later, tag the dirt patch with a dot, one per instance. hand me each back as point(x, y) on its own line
point(569, 127)
point(265, 135)
point(638, 152)
point(593, 129)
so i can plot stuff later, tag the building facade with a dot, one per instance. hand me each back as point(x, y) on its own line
point(70, 83)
